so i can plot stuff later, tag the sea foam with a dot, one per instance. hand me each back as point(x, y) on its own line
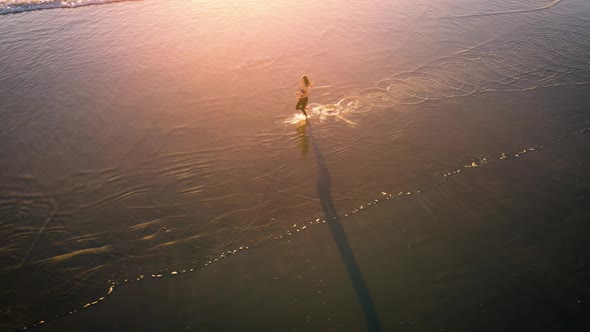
point(20, 6)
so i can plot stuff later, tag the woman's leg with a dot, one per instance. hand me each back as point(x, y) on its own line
point(301, 105)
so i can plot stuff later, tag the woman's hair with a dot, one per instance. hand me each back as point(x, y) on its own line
point(306, 80)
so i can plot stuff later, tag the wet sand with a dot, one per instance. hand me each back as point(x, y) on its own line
point(511, 258)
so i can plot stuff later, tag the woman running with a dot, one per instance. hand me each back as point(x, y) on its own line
point(302, 94)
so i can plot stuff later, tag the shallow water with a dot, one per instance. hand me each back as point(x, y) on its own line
point(141, 138)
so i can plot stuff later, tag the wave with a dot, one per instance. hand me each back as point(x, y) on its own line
point(19, 6)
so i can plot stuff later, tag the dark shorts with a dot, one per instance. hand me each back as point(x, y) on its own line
point(301, 104)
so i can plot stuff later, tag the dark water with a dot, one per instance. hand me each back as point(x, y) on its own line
point(141, 139)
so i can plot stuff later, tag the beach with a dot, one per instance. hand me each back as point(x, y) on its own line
point(156, 176)
point(480, 266)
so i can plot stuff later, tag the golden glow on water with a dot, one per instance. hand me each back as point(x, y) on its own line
point(73, 254)
point(166, 130)
point(302, 136)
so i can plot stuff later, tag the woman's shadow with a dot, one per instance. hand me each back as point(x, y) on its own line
point(338, 233)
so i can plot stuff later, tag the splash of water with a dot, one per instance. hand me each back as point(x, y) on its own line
point(340, 111)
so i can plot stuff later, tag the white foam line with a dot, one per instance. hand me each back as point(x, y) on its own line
point(27, 6)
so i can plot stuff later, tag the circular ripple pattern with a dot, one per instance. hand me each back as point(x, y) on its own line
point(548, 59)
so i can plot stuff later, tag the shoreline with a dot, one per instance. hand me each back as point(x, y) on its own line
point(301, 283)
